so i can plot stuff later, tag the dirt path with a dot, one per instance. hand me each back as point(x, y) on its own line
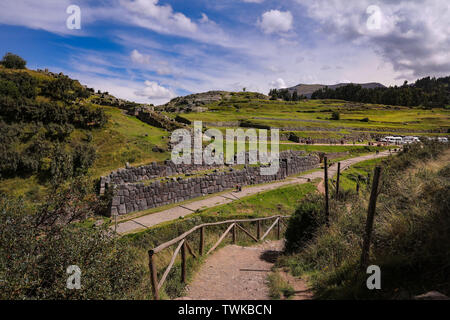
point(182, 210)
point(235, 273)
point(301, 290)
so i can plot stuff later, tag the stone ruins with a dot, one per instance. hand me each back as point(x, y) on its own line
point(158, 184)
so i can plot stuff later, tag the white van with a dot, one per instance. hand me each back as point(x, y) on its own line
point(394, 140)
point(409, 139)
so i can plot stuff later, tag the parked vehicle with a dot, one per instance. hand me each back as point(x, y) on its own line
point(410, 139)
point(394, 140)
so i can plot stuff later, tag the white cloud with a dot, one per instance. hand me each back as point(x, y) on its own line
point(48, 15)
point(138, 57)
point(278, 84)
point(253, 1)
point(204, 18)
point(275, 21)
point(153, 90)
point(413, 35)
point(413, 39)
point(161, 18)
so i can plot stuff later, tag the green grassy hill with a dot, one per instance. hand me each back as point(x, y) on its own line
point(313, 115)
point(47, 122)
point(410, 233)
point(58, 116)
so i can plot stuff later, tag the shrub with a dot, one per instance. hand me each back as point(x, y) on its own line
point(12, 61)
point(335, 115)
point(411, 232)
point(304, 222)
point(36, 249)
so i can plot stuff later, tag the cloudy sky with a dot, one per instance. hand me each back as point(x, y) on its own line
point(154, 50)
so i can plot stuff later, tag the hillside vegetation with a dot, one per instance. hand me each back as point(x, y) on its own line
point(427, 92)
point(50, 131)
point(37, 117)
point(410, 238)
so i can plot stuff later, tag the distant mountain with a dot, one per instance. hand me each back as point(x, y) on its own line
point(308, 89)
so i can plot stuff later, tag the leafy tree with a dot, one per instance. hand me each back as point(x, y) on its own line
point(428, 92)
point(12, 61)
point(335, 115)
point(35, 135)
point(37, 248)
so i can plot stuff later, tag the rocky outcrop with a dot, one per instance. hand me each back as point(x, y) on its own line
point(105, 99)
point(158, 120)
point(198, 102)
point(194, 102)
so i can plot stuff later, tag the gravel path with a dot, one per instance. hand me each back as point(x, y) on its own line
point(235, 273)
point(153, 219)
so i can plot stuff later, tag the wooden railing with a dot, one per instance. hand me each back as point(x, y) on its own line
point(183, 246)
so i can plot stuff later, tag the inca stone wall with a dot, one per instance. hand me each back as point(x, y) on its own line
point(149, 172)
point(129, 196)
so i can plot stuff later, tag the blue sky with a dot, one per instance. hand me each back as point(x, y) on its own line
point(151, 51)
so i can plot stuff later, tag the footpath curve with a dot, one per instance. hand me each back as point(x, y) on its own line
point(147, 221)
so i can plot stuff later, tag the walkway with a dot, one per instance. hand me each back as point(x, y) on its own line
point(235, 273)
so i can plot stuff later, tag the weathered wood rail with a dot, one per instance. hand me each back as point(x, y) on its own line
point(183, 245)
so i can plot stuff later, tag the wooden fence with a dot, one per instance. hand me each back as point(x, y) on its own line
point(183, 245)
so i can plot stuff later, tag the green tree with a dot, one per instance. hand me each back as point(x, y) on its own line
point(37, 246)
point(335, 115)
point(13, 61)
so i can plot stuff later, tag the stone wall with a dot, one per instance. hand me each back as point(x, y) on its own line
point(149, 172)
point(130, 197)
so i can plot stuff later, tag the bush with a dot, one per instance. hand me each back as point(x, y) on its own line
point(335, 115)
point(36, 249)
point(12, 61)
point(411, 232)
point(304, 222)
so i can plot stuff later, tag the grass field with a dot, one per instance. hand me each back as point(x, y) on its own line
point(126, 139)
point(317, 113)
point(349, 177)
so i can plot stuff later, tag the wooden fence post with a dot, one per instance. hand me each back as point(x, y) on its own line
point(337, 181)
point(202, 241)
point(370, 219)
point(183, 263)
point(258, 230)
point(234, 234)
point(327, 213)
point(279, 229)
point(153, 275)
